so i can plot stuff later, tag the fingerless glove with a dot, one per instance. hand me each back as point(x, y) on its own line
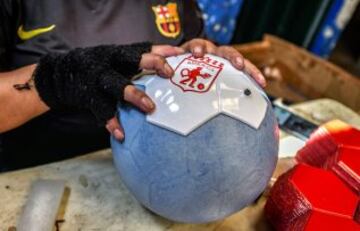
point(91, 78)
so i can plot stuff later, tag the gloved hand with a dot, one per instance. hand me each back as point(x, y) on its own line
point(97, 78)
point(94, 78)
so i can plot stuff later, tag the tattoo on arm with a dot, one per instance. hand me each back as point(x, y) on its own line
point(25, 86)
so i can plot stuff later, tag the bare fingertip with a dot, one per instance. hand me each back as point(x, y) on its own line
point(148, 104)
point(198, 51)
point(262, 82)
point(162, 74)
point(262, 79)
point(239, 62)
point(118, 134)
point(169, 71)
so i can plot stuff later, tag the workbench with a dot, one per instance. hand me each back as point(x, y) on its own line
point(97, 200)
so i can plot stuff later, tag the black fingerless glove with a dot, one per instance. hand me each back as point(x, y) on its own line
point(88, 78)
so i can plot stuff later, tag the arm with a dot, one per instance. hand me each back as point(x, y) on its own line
point(18, 107)
point(91, 78)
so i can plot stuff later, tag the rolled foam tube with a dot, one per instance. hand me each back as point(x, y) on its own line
point(42, 206)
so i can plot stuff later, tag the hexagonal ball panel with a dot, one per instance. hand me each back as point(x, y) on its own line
point(325, 141)
point(346, 165)
point(199, 90)
point(308, 198)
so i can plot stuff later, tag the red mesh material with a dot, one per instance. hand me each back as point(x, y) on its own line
point(346, 165)
point(325, 141)
point(321, 221)
point(309, 198)
point(286, 208)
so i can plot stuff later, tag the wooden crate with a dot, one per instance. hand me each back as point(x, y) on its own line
point(296, 75)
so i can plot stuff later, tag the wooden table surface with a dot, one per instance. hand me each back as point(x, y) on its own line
point(96, 198)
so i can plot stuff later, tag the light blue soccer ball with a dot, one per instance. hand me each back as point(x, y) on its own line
point(216, 170)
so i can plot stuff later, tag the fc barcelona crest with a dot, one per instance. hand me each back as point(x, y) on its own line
point(167, 19)
point(197, 74)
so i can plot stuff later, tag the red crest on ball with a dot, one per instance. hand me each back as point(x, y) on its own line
point(196, 74)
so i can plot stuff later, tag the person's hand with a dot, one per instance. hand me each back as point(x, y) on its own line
point(98, 78)
point(154, 60)
point(199, 47)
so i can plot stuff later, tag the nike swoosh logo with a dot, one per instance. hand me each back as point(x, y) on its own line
point(26, 35)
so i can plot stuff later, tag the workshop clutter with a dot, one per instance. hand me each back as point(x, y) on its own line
point(296, 75)
point(322, 191)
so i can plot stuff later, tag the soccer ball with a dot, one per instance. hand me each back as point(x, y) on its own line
point(207, 151)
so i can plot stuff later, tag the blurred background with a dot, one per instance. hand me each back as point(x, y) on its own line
point(329, 29)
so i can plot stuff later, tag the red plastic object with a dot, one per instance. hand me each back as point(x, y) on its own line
point(308, 198)
point(346, 165)
point(325, 141)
